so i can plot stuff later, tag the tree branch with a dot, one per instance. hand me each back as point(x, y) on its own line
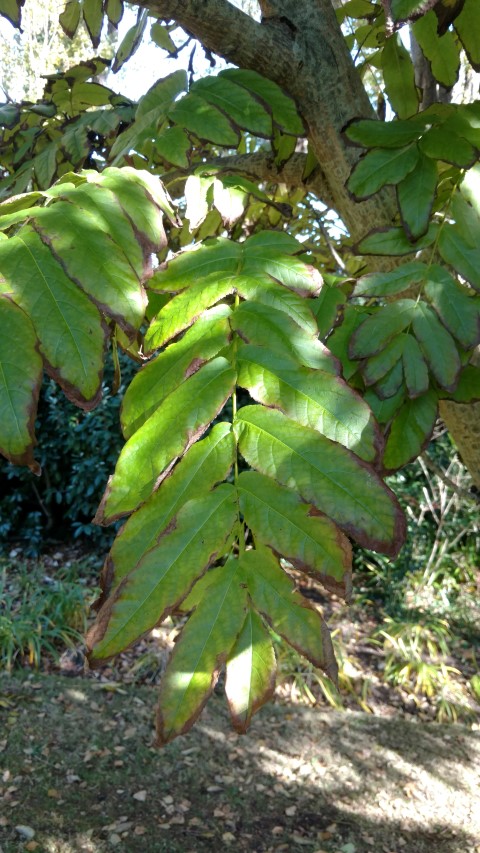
point(261, 166)
point(229, 32)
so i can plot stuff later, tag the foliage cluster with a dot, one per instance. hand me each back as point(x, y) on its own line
point(262, 351)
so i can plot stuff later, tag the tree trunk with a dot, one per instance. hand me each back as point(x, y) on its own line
point(300, 46)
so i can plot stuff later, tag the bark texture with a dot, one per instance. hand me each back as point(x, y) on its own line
point(300, 46)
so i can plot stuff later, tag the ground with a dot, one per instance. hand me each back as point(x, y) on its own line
point(79, 772)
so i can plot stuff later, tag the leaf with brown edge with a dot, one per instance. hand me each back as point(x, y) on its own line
point(72, 336)
point(323, 473)
point(201, 651)
point(410, 431)
point(437, 346)
point(178, 422)
point(251, 671)
point(289, 613)
point(296, 531)
point(21, 371)
point(313, 398)
point(204, 465)
point(196, 536)
point(177, 362)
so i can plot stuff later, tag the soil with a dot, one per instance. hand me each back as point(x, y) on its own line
point(79, 773)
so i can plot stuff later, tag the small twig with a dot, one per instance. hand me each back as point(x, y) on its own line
point(435, 469)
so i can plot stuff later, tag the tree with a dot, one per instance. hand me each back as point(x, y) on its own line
point(319, 347)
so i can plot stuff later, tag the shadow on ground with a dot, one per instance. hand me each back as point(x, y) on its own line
point(79, 772)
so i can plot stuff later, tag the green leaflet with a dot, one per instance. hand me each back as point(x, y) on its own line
point(160, 36)
point(92, 259)
point(437, 346)
point(204, 120)
point(392, 282)
point(266, 255)
point(114, 11)
point(12, 10)
point(258, 324)
point(201, 651)
point(339, 340)
point(456, 251)
point(468, 388)
point(456, 307)
point(179, 421)
point(206, 463)
point(380, 167)
point(20, 379)
point(70, 17)
point(173, 145)
point(467, 26)
point(69, 327)
point(371, 133)
point(391, 382)
point(394, 241)
point(143, 200)
point(384, 410)
point(167, 371)
point(218, 255)
point(165, 574)
point(410, 431)
point(271, 294)
point(377, 330)
point(313, 398)
point(307, 539)
point(289, 614)
point(441, 143)
point(415, 195)
point(182, 310)
point(103, 204)
point(93, 17)
point(441, 51)
point(415, 369)
point(377, 366)
point(246, 111)
point(152, 109)
point(130, 42)
point(323, 473)
point(251, 670)
point(282, 108)
point(327, 307)
point(399, 77)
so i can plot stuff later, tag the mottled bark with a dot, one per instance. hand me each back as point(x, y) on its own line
point(300, 46)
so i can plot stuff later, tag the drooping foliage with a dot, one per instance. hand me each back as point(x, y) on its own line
point(280, 385)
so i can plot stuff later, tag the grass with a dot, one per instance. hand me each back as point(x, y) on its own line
point(40, 613)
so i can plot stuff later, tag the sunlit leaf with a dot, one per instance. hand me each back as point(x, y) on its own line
point(251, 668)
point(200, 651)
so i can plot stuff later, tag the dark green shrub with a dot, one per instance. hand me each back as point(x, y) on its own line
point(77, 452)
